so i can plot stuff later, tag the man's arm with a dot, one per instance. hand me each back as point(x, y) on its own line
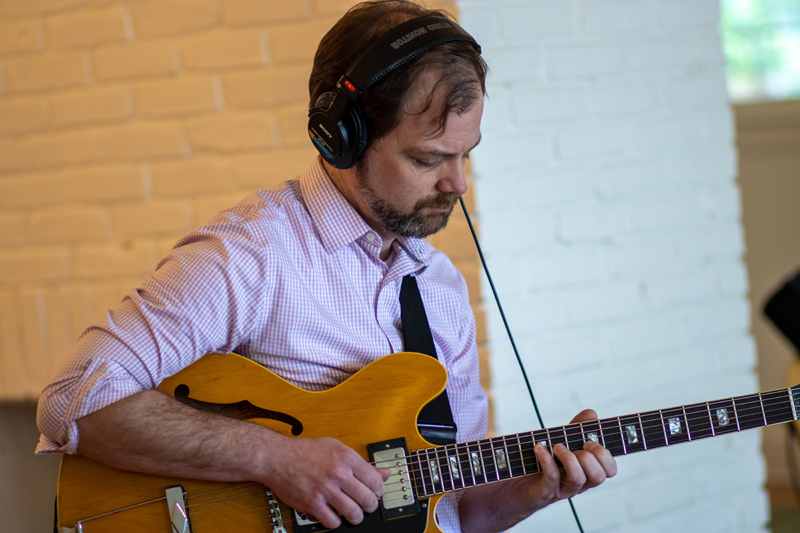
point(152, 433)
point(496, 507)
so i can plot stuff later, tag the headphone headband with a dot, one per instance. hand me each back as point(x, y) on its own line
point(336, 124)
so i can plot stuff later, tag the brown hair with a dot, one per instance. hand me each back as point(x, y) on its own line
point(461, 66)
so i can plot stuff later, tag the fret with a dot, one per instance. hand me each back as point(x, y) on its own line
point(591, 431)
point(736, 414)
point(464, 465)
point(528, 457)
point(557, 436)
point(415, 469)
point(723, 417)
point(632, 434)
point(542, 436)
point(514, 456)
point(454, 466)
point(575, 437)
point(624, 448)
point(478, 466)
point(697, 421)
point(653, 430)
point(443, 465)
point(431, 465)
point(521, 456)
point(763, 414)
point(503, 460)
point(612, 436)
point(749, 410)
point(674, 425)
point(686, 423)
point(777, 408)
point(489, 462)
point(794, 401)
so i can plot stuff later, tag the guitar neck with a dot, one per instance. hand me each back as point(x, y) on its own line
point(443, 469)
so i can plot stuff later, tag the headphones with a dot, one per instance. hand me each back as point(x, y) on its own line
point(336, 123)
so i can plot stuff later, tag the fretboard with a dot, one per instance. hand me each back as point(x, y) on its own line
point(442, 469)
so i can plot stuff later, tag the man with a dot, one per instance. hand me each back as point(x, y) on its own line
point(305, 280)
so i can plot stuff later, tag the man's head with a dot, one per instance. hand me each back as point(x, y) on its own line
point(422, 120)
point(461, 72)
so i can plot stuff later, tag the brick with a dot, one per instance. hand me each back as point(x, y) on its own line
point(12, 229)
point(268, 169)
point(586, 60)
point(297, 43)
point(680, 288)
point(545, 188)
point(46, 71)
point(677, 14)
point(101, 104)
point(103, 260)
point(501, 234)
point(31, 190)
point(660, 53)
point(593, 224)
point(695, 92)
point(104, 184)
point(652, 255)
point(455, 240)
point(34, 336)
point(47, 6)
point(8, 154)
point(172, 17)
point(471, 270)
point(34, 264)
point(732, 280)
point(641, 336)
point(664, 133)
point(552, 102)
point(78, 297)
point(69, 225)
point(266, 88)
point(332, 7)
point(206, 207)
point(614, 17)
point(247, 12)
point(12, 368)
point(669, 211)
point(141, 140)
point(231, 131)
point(86, 28)
point(636, 177)
point(56, 149)
point(293, 124)
point(709, 165)
point(198, 175)
point(592, 141)
point(19, 115)
point(150, 219)
point(184, 95)
point(224, 49)
point(504, 151)
point(632, 97)
point(59, 327)
point(707, 244)
point(536, 21)
point(717, 319)
point(149, 58)
point(21, 36)
point(569, 267)
point(520, 63)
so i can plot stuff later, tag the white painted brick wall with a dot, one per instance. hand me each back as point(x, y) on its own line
point(610, 216)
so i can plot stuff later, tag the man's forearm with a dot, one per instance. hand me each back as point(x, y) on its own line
point(152, 433)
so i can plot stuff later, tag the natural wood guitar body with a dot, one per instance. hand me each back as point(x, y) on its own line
point(378, 403)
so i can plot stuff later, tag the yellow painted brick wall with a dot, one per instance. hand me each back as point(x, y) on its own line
point(125, 124)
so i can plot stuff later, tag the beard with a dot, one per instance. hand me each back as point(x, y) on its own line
point(415, 223)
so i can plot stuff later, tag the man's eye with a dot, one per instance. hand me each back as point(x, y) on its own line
point(427, 164)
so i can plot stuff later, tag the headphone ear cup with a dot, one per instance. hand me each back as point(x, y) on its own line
point(360, 137)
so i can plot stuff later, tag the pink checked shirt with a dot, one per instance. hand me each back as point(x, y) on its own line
point(290, 278)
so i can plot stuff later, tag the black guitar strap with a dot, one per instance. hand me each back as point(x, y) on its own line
point(435, 421)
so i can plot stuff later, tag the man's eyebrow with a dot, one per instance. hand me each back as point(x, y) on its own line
point(440, 153)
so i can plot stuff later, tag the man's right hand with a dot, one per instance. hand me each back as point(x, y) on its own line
point(322, 477)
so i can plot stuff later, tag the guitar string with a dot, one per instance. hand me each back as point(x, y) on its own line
point(520, 439)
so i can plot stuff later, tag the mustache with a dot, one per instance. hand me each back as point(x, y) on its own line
point(442, 200)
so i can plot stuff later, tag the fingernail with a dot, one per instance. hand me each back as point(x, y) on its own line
point(559, 447)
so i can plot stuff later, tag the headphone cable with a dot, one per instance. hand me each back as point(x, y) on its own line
point(511, 338)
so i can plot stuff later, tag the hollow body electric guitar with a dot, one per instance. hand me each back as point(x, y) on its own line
point(374, 412)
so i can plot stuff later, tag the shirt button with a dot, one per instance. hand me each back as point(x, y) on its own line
point(371, 237)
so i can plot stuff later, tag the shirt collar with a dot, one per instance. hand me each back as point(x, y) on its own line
point(338, 223)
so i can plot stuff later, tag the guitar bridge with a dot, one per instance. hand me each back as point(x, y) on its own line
point(398, 495)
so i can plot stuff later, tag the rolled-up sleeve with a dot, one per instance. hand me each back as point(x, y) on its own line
point(204, 297)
